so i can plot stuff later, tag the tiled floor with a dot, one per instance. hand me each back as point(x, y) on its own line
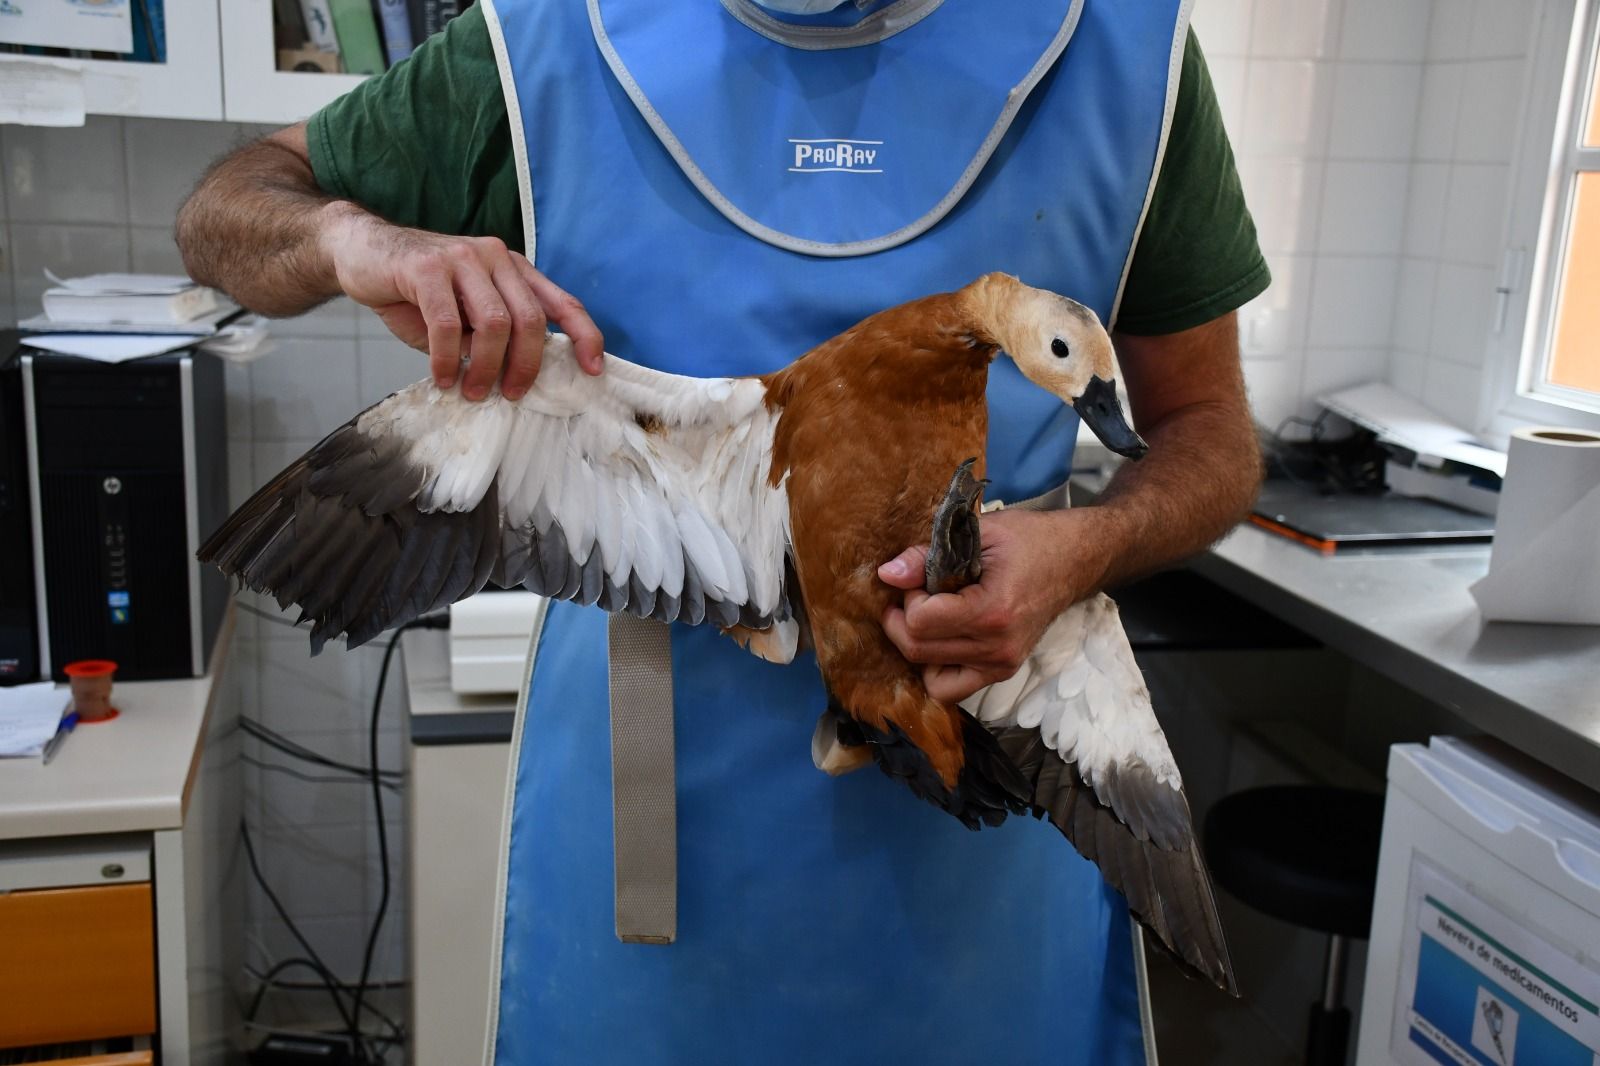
point(1196, 1025)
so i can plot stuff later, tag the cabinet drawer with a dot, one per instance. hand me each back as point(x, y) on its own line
point(76, 964)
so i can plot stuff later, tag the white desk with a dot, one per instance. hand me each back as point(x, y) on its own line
point(148, 785)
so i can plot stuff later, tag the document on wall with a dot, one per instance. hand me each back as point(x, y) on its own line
point(1486, 990)
point(40, 94)
point(85, 25)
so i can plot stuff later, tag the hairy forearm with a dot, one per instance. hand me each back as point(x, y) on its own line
point(254, 228)
point(1204, 464)
point(1196, 484)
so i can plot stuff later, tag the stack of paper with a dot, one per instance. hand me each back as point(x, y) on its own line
point(29, 716)
point(131, 303)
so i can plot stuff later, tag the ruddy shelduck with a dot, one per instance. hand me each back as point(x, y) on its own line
point(765, 505)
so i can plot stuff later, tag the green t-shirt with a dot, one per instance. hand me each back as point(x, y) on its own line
point(427, 145)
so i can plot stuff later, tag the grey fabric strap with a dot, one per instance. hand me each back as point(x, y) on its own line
point(1056, 499)
point(644, 798)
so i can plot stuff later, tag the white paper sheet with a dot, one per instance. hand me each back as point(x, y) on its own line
point(29, 715)
point(1398, 419)
point(241, 341)
point(203, 326)
point(40, 94)
point(108, 347)
point(90, 25)
point(124, 284)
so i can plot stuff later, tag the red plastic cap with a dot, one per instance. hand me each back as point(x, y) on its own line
point(90, 668)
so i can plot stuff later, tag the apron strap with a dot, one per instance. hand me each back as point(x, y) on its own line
point(644, 796)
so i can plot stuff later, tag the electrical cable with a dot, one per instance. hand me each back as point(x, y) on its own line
point(315, 779)
point(294, 930)
point(268, 981)
point(425, 622)
point(272, 738)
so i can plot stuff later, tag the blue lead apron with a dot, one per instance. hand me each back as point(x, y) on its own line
point(724, 191)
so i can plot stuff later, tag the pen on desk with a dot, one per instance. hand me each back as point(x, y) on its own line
point(68, 723)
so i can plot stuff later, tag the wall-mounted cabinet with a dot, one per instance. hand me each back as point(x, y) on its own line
point(187, 84)
point(254, 88)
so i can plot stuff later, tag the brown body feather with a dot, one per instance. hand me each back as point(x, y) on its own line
point(888, 467)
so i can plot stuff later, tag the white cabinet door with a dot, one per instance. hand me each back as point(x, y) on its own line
point(255, 90)
point(187, 85)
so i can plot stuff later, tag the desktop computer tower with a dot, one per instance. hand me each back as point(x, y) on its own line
point(126, 473)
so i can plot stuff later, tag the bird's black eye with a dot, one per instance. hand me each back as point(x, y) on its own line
point(1059, 347)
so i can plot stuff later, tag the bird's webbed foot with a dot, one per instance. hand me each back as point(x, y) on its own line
point(955, 548)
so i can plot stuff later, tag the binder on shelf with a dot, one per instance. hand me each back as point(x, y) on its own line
point(357, 31)
point(395, 21)
point(428, 17)
point(319, 25)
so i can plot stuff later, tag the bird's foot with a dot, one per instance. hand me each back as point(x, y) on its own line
point(777, 643)
point(832, 754)
point(955, 547)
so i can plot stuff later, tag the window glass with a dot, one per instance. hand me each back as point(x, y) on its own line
point(1592, 138)
point(1575, 355)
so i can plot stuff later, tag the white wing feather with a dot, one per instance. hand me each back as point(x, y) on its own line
point(659, 481)
point(1083, 691)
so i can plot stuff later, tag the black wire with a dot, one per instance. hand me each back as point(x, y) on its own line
point(274, 739)
point(317, 986)
point(294, 930)
point(435, 622)
point(316, 779)
point(268, 982)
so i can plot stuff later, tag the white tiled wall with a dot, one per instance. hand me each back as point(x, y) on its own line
point(1374, 139)
point(1473, 85)
point(103, 198)
point(1320, 99)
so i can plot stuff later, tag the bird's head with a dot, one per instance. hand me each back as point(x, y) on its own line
point(1060, 346)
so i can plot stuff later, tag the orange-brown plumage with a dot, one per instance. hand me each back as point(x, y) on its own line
point(880, 471)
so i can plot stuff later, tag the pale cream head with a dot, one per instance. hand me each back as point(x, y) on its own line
point(1059, 345)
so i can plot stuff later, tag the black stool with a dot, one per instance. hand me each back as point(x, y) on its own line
point(1308, 855)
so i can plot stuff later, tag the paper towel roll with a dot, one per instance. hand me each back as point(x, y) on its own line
point(1545, 565)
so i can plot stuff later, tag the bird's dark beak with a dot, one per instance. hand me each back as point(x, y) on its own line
point(1100, 411)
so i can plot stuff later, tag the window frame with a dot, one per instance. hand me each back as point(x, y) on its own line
point(1547, 157)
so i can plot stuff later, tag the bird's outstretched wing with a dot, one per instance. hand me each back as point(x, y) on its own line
point(636, 490)
point(1077, 721)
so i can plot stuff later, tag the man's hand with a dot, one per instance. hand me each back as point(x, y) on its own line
point(1035, 565)
point(455, 298)
point(259, 228)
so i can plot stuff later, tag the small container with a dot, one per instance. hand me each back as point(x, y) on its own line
point(91, 688)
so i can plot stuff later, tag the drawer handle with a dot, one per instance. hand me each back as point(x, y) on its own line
point(112, 870)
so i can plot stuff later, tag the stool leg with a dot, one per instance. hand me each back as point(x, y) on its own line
point(1328, 1035)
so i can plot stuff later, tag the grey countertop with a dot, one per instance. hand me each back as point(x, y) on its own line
point(1406, 613)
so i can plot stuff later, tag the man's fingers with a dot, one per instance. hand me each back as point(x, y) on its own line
point(526, 344)
point(406, 323)
point(564, 309)
point(436, 301)
point(919, 650)
point(952, 684)
point(906, 570)
point(949, 614)
point(490, 323)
